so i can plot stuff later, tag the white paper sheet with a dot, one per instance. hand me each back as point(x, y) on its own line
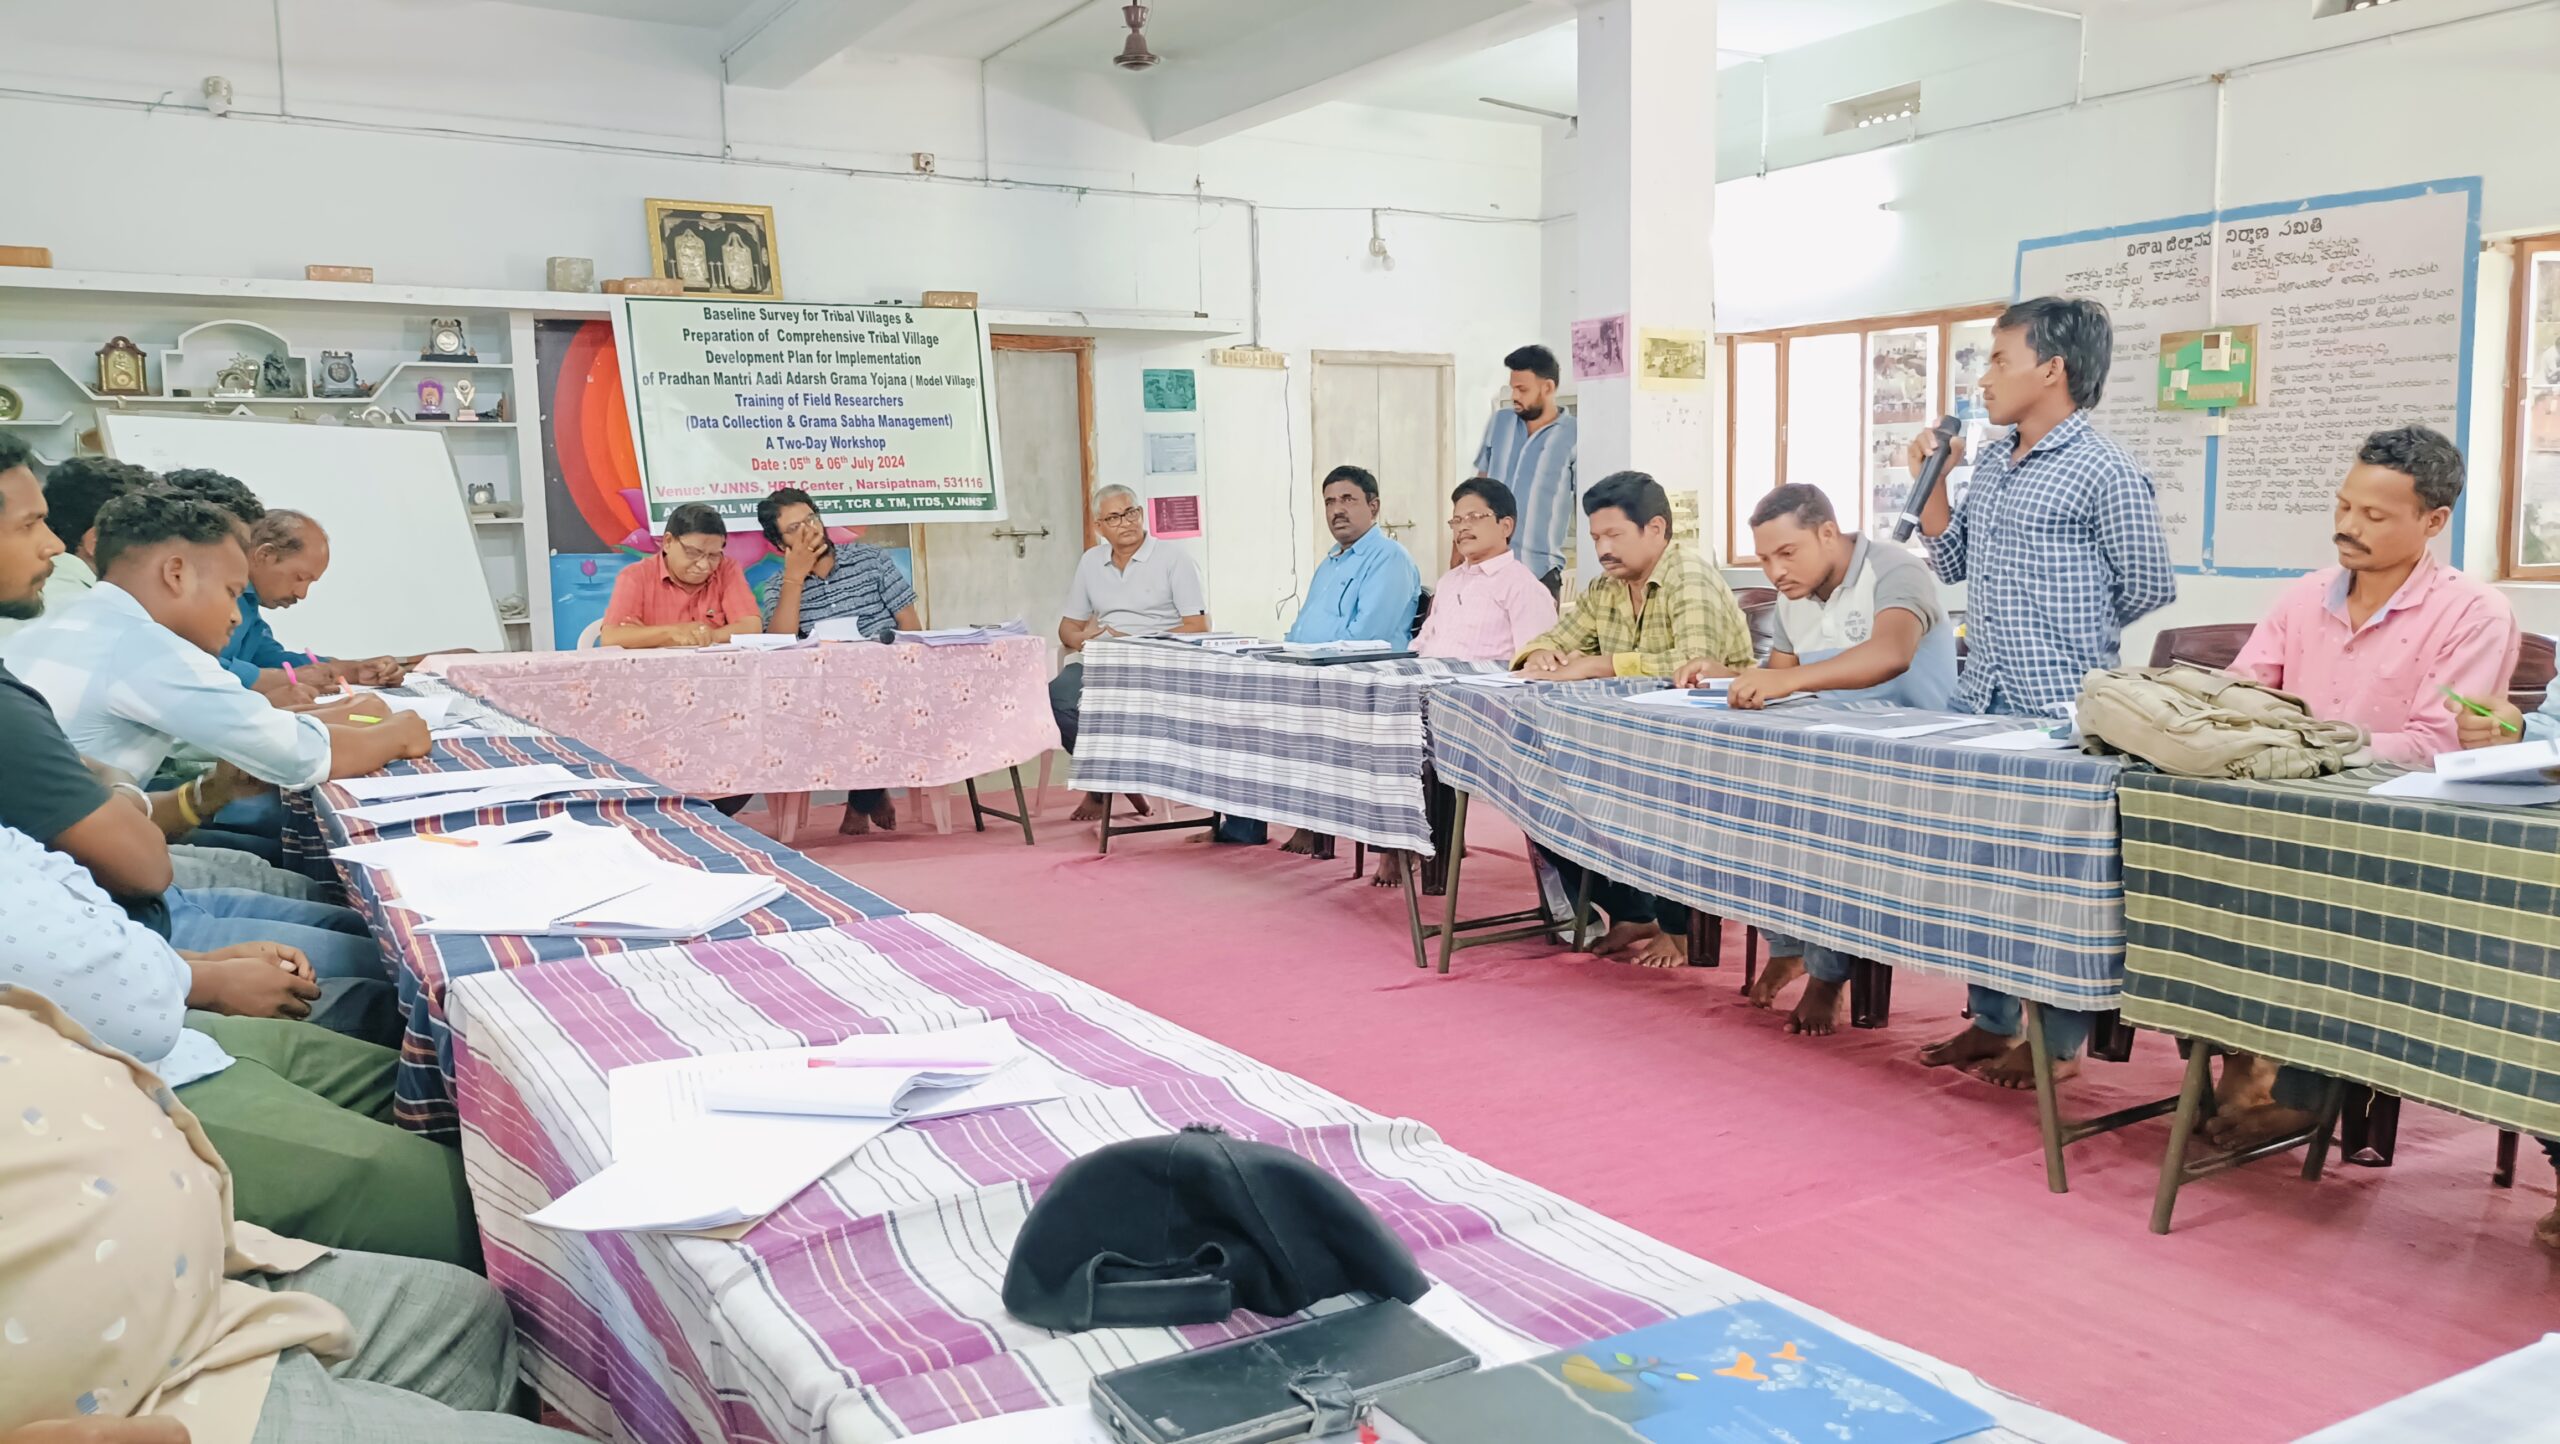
point(424, 784)
point(2433, 787)
point(413, 809)
point(2029, 739)
point(2515, 762)
point(1906, 730)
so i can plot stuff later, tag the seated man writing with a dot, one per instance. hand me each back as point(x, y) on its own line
point(288, 554)
point(129, 674)
point(121, 835)
point(1365, 590)
point(1128, 585)
point(689, 595)
point(2506, 723)
point(1655, 608)
point(824, 581)
point(1855, 619)
point(2375, 640)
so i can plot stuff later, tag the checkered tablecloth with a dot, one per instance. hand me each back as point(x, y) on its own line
point(1339, 749)
point(868, 1309)
point(425, 964)
point(1998, 868)
point(2410, 946)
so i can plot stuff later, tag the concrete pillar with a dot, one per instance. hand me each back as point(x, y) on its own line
point(1645, 219)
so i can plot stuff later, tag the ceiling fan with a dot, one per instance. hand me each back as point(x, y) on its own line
point(1134, 54)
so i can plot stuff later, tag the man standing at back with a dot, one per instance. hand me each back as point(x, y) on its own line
point(2060, 541)
point(1529, 449)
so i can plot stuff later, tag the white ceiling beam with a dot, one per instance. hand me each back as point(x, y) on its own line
point(1324, 49)
point(771, 46)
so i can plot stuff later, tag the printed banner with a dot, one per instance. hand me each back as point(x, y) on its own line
point(880, 413)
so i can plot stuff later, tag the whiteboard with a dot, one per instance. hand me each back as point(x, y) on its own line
point(404, 571)
point(2364, 307)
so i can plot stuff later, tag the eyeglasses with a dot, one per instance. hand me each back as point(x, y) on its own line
point(1114, 518)
point(699, 555)
point(1470, 518)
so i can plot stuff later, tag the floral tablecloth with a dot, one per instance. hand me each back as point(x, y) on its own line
point(717, 721)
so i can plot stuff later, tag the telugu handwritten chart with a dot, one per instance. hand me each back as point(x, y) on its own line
point(2363, 305)
point(880, 413)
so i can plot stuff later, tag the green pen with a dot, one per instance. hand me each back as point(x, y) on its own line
point(2476, 707)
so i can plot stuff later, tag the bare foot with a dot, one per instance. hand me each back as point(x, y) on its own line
point(1622, 936)
point(1390, 870)
point(2237, 1132)
point(1970, 1046)
point(2248, 1081)
point(1301, 842)
point(2547, 1232)
point(1662, 950)
point(2016, 1068)
point(1093, 807)
point(1817, 1013)
point(1773, 980)
point(887, 816)
point(854, 822)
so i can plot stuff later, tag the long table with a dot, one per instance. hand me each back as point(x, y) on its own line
point(1338, 749)
point(716, 722)
point(1995, 868)
point(868, 1309)
point(2410, 947)
point(424, 965)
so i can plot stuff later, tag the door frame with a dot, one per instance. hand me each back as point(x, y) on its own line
point(1082, 347)
point(1446, 363)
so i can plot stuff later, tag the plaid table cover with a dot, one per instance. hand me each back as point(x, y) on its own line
point(868, 1309)
point(2410, 946)
point(1339, 749)
point(1998, 868)
point(425, 964)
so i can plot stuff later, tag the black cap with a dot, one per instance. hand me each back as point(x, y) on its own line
point(1188, 1228)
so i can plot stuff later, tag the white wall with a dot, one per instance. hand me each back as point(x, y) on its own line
point(461, 145)
point(1915, 224)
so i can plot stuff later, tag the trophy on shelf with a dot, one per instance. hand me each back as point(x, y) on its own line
point(120, 369)
point(431, 401)
point(337, 375)
point(463, 392)
point(237, 381)
point(445, 342)
point(274, 378)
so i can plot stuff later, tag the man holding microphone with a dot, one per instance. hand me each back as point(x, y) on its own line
point(2060, 543)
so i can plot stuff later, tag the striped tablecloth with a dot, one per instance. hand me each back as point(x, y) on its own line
point(719, 721)
point(2413, 947)
point(1339, 749)
point(1998, 868)
point(868, 1309)
point(425, 964)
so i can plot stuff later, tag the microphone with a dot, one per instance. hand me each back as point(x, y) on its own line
point(1930, 472)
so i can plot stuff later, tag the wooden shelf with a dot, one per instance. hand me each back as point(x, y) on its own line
point(497, 521)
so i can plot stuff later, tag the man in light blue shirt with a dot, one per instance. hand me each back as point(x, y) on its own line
point(1366, 588)
point(266, 1090)
point(1530, 448)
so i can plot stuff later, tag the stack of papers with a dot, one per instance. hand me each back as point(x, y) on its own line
point(964, 636)
point(412, 797)
point(2518, 762)
point(1229, 642)
point(2030, 739)
point(841, 629)
point(1348, 648)
point(556, 877)
point(767, 642)
point(683, 1162)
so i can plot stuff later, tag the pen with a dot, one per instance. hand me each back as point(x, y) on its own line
point(447, 841)
point(2477, 707)
point(360, 717)
point(290, 679)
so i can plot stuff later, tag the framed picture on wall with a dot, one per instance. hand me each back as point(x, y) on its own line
point(715, 250)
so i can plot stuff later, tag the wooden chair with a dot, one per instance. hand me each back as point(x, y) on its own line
point(2211, 646)
point(2533, 673)
point(1760, 609)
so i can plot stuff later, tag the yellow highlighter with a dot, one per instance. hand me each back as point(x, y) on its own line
point(360, 717)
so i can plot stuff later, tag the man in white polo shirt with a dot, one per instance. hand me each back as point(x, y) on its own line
point(1855, 620)
point(1127, 586)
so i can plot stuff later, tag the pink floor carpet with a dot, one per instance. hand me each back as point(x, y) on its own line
point(1909, 1201)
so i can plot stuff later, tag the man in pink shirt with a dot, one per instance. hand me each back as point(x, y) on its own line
point(1487, 607)
point(689, 595)
point(2373, 640)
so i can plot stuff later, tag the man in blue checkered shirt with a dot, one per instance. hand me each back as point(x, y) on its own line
point(2060, 543)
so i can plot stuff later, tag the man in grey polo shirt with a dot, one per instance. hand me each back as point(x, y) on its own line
point(1129, 585)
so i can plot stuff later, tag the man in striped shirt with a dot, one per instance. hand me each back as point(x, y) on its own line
point(822, 581)
point(1529, 449)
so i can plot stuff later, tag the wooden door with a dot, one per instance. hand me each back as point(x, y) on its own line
point(1391, 412)
point(1021, 567)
